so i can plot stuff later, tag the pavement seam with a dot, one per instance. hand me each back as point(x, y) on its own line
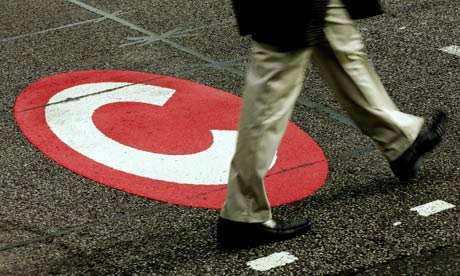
point(88, 95)
point(96, 20)
point(214, 63)
point(154, 35)
point(82, 227)
point(364, 269)
point(146, 81)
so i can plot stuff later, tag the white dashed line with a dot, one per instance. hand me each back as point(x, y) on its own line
point(432, 208)
point(454, 50)
point(272, 261)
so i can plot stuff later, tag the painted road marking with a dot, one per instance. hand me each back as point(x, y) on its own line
point(72, 122)
point(156, 136)
point(432, 208)
point(453, 50)
point(272, 261)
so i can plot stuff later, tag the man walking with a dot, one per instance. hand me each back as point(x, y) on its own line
point(286, 36)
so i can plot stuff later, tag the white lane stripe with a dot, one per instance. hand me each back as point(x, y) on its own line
point(272, 261)
point(454, 50)
point(432, 208)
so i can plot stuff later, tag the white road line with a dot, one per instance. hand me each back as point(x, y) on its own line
point(432, 208)
point(454, 50)
point(221, 65)
point(53, 29)
point(272, 261)
point(96, 20)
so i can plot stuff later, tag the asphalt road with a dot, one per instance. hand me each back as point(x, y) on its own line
point(56, 222)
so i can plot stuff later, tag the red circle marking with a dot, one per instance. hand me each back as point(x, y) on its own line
point(181, 126)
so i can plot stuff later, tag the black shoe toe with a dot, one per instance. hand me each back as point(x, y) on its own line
point(408, 164)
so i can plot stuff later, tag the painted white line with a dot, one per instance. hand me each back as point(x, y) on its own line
point(72, 123)
point(96, 20)
point(454, 50)
point(272, 261)
point(215, 63)
point(432, 208)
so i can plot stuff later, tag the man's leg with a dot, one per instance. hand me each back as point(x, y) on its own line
point(358, 88)
point(274, 80)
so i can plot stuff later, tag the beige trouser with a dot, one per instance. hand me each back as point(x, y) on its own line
point(274, 81)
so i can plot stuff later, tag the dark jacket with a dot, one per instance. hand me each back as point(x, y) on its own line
point(360, 9)
point(292, 24)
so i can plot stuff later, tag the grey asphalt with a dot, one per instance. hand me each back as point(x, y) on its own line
point(55, 222)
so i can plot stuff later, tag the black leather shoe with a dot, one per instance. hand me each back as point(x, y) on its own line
point(233, 234)
point(409, 163)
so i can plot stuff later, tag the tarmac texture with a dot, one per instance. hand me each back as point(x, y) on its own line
point(56, 222)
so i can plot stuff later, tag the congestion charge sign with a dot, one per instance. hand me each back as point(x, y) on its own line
point(156, 136)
